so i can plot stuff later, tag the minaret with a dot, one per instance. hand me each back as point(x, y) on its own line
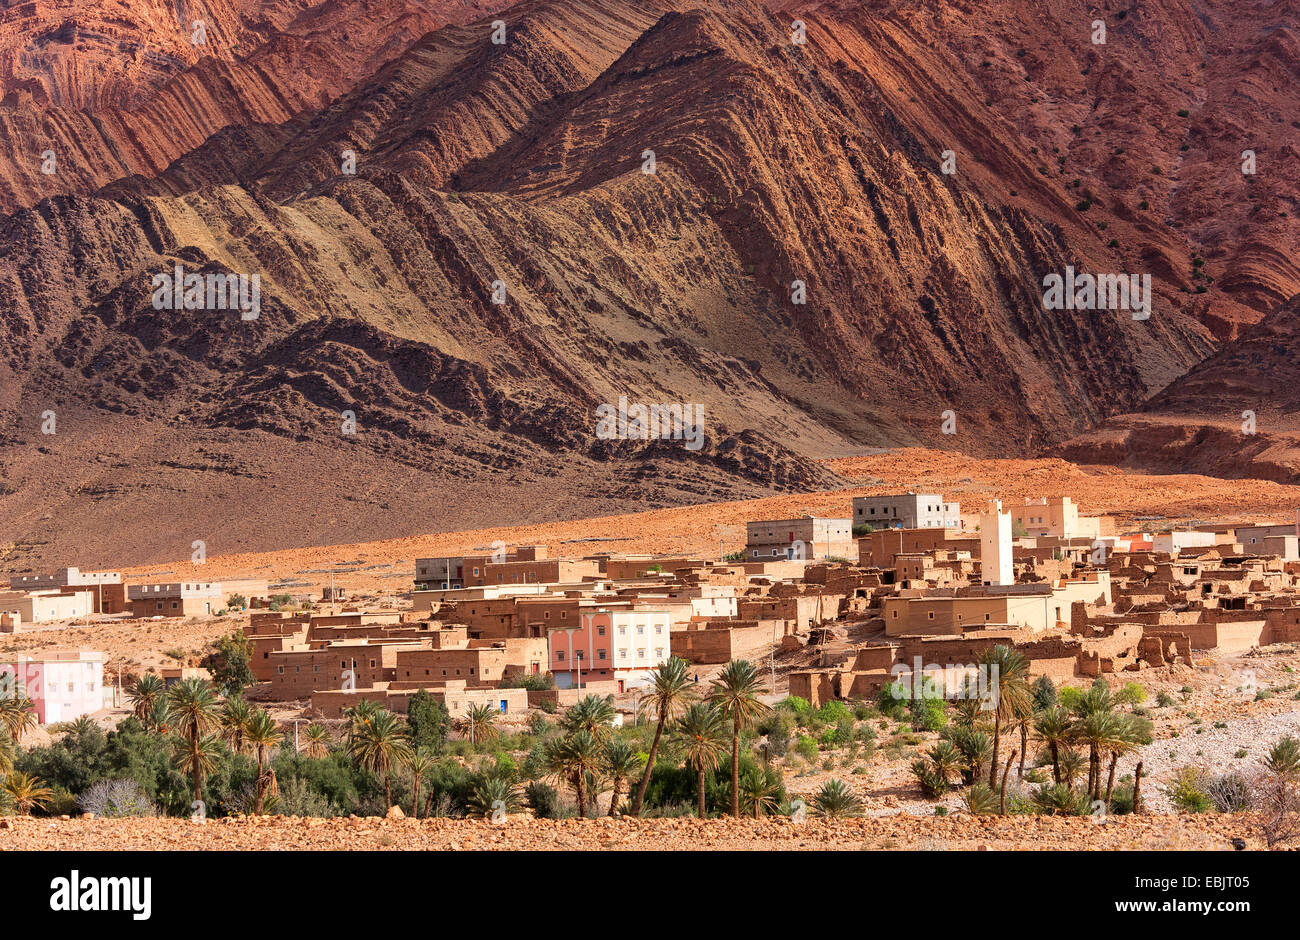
point(995, 545)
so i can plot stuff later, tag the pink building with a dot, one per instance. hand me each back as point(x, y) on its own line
point(62, 686)
point(609, 643)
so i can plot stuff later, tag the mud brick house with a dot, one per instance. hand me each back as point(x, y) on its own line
point(877, 549)
point(809, 537)
point(1029, 606)
point(478, 664)
point(22, 607)
point(706, 642)
point(296, 674)
point(1059, 517)
point(108, 591)
point(331, 703)
point(625, 567)
point(176, 599)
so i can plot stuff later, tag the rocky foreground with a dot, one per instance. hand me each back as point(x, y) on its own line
point(272, 833)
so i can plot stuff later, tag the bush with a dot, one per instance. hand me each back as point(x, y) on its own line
point(544, 800)
point(841, 735)
point(892, 700)
point(116, 799)
point(1187, 791)
point(532, 681)
point(928, 714)
point(1229, 793)
point(1165, 700)
point(1060, 800)
point(806, 748)
point(933, 784)
point(1044, 692)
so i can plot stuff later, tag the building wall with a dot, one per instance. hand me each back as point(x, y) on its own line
point(907, 510)
point(60, 689)
point(611, 644)
point(807, 538)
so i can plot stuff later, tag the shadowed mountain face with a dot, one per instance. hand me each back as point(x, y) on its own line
point(467, 238)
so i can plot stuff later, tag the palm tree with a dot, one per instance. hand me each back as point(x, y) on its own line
point(26, 792)
point(621, 762)
point(835, 800)
point(1101, 731)
point(317, 741)
point(1134, 731)
point(670, 689)
point(1071, 765)
point(735, 693)
point(759, 789)
point(419, 763)
point(145, 692)
point(1007, 675)
point(1056, 728)
point(574, 758)
point(260, 732)
point(592, 714)
point(235, 715)
point(80, 727)
point(193, 706)
point(8, 752)
point(358, 715)
point(489, 792)
point(18, 715)
point(197, 758)
point(699, 734)
point(479, 724)
point(378, 743)
point(160, 717)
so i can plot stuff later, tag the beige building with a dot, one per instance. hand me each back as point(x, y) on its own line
point(809, 538)
point(1059, 517)
point(175, 599)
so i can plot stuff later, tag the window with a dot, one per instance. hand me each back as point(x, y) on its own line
point(640, 654)
point(600, 631)
point(600, 654)
point(930, 615)
point(559, 657)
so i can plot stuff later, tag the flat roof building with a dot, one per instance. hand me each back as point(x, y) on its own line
point(906, 511)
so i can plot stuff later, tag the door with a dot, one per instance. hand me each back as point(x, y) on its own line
point(505, 706)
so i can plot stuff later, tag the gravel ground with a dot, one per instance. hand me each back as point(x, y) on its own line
point(1214, 749)
point(277, 833)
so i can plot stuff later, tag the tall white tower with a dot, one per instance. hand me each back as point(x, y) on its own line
point(995, 545)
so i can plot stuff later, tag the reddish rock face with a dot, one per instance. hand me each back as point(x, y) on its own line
point(800, 264)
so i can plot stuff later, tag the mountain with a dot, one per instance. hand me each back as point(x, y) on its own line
point(1237, 414)
point(798, 264)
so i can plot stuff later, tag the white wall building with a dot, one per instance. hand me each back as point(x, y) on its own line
point(995, 545)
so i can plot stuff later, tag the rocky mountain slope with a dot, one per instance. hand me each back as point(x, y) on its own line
point(500, 263)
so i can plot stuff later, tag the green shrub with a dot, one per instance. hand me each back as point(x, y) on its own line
point(544, 800)
point(1187, 791)
point(806, 748)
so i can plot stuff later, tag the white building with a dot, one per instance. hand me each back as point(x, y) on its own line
point(995, 545)
point(611, 645)
point(906, 511)
point(1173, 542)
